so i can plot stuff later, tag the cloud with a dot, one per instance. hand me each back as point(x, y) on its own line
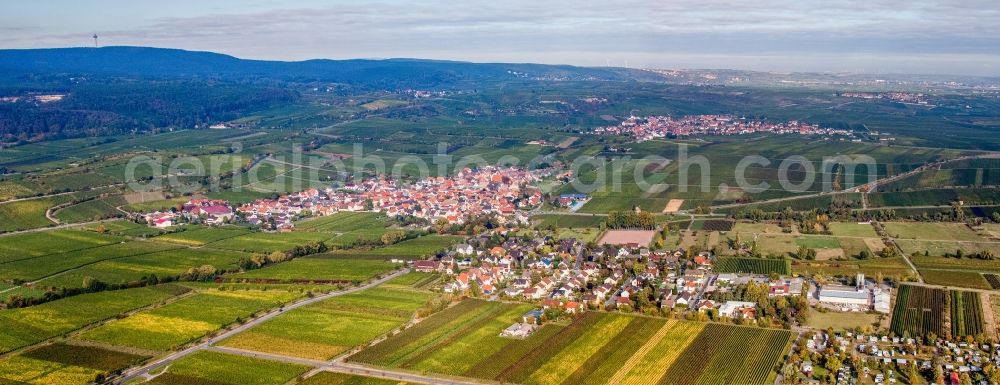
point(584, 32)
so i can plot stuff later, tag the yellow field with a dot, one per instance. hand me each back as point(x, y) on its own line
point(166, 325)
point(569, 359)
point(32, 371)
point(663, 354)
point(261, 342)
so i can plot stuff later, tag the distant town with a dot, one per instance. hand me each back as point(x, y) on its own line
point(469, 193)
point(652, 127)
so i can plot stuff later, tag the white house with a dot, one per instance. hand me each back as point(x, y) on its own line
point(465, 249)
point(732, 309)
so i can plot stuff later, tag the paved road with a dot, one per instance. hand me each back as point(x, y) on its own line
point(397, 376)
point(62, 193)
point(144, 370)
point(268, 356)
point(337, 365)
point(776, 200)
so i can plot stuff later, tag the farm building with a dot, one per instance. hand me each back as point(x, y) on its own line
point(426, 266)
point(518, 330)
point(845, 296)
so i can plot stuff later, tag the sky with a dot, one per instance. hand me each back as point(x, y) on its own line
point(859, 36)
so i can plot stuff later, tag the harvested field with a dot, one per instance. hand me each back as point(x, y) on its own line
point(567, 142)
point(673, 206)
point(142, 197)
point(624, 237)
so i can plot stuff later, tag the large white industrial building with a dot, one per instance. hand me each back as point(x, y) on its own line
point(855, 298)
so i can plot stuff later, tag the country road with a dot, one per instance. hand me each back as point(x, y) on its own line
point(57, 227)
point(339, 366)
point(143, 371)
point(946, 287)
point(39, 197)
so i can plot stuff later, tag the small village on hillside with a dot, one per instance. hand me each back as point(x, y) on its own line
point(471, 192)
point(652, 127)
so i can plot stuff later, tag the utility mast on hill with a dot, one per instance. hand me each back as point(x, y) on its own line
point(95, 40)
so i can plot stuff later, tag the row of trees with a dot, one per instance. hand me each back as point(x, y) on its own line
point(258, 260)
point(89, 285)
point(631, 220)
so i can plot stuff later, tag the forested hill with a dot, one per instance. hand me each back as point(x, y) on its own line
point(114, 90)
point(174, 63)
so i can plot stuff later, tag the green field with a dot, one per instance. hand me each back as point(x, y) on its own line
point(326, 329)
point(918, 311)
point(799, 204)
point(94, 209)
point(570, 221)
point(729, 355)
point(123, 228)
point(889, 267)
point(29, 245)
point(220, 368)
point(931, 231)
point(934, 197)
point(966, 314)
point(971, 279)
point(409, 249)
point(752, 265)
point(971, 172)
point(597, 348)
point(269, 242)
point(852, 230)
point(199, 236)
point(28, 214)
point(951, 263)
point(587, 234)
point(318, 269)
point(186, 320)
point(840, 321)
point(343, 222)
point(10, 189)
point(364, 236)
point(26, 326)
point(416, 280)
point(770, 244)
point(131, 268)
point(156, 205)
point(849, 240)
point(44, 266)
point(818, 242)
point(941, 248)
